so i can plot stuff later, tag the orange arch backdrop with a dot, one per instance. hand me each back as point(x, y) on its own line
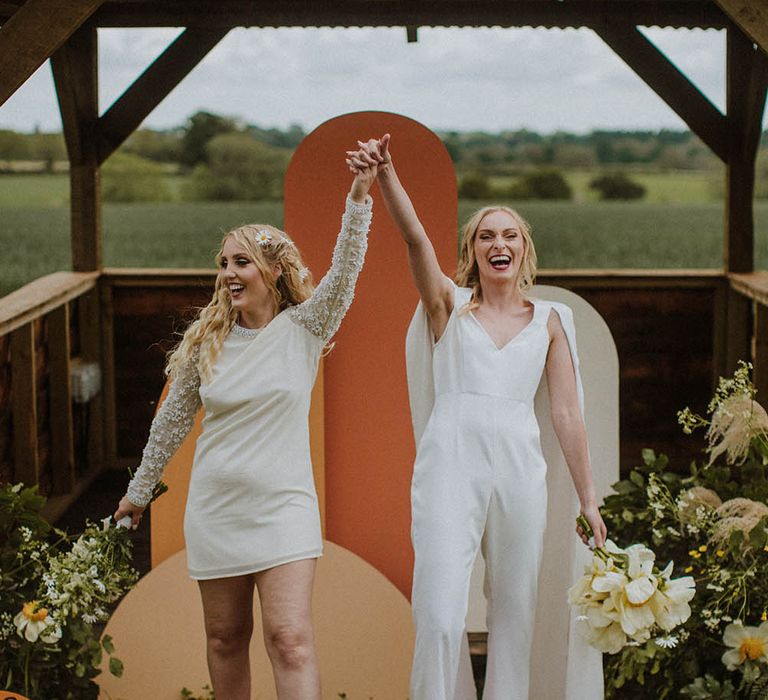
point(368, 441)
point(362, 445)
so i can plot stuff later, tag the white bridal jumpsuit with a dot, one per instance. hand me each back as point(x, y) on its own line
point(252, 503)
point(479, 480)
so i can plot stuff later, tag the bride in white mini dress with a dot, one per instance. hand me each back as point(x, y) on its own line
point(480, 478)
point(252, 519)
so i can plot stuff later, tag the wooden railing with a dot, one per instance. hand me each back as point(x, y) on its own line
point(44, 328)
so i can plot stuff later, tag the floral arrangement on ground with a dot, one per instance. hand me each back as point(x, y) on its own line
point(703, 635)
point(56, 591)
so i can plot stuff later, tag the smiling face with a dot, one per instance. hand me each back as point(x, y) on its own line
point(499, 247)
point(242, 275)
point(496, 247)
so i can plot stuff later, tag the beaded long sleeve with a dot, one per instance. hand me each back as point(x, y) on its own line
point(323, 312)
point(170, 426)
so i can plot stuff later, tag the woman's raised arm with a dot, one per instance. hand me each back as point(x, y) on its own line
point(435, 289)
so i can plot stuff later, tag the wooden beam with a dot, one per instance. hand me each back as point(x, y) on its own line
point(752, 18)
point(24, 405)
point(75, 70)
point(746, 73)
point(32, 33)
point(152, 86)
point(401, 13)
point(60, 395)
point(75, 77)
point(672, 86)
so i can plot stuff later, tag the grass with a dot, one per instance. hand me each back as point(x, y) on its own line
point(34, 237)
point(33, 191)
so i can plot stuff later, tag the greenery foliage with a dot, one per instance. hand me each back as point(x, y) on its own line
point(54, 590)
point(130, 178)
point(617, 186)
point(238, 168)
point(713, 523)
point(547, 183)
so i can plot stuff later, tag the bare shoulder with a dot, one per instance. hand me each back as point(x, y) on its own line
point(555, 317)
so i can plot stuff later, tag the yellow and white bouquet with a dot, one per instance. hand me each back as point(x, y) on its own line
point(623, 598)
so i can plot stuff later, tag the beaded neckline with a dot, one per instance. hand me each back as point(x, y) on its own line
point(246, 332)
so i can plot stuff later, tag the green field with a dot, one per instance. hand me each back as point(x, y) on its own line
point(34, 231)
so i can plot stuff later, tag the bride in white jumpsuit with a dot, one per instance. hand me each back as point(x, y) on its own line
point(480, 476)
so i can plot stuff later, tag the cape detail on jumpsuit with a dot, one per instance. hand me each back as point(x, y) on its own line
point(582, 663)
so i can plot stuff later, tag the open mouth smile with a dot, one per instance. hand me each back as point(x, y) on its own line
point(500, 262)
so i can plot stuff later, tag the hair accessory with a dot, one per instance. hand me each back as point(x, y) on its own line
point(263, 237)
point(303, 273)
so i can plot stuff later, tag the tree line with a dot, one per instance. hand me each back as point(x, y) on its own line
point(225, 158)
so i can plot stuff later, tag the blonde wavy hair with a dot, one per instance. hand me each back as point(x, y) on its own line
point(203, 338)
point(467, 274)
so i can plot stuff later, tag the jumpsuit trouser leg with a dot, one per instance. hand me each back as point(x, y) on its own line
point(449, 512)
point(512, 546)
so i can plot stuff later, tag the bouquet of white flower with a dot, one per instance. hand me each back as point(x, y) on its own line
point(624, 598)
point(55, 592)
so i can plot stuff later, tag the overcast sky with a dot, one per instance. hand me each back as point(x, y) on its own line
point(488, 79)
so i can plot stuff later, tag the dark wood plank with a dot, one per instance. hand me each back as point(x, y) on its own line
point(400, 13)
point(90, 341)
point(60, 397)
point(751, 16)
point(672, 86)
point(33, 33)
point(24, 402)
point(109, 369)
point(152, 86)
point(738, 335)
point(760, 354)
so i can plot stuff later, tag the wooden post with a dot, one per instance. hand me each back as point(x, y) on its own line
point(746, 73)
point(60, 395)
point(739, 242)
point(76, 77)
point(24, 398)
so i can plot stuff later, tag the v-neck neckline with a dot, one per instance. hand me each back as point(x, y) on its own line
point(514, 337)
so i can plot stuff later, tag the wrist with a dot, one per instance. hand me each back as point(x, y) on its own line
point(589, 504)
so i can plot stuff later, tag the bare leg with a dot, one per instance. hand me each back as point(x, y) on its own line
point(228, 612)
point(286, 609)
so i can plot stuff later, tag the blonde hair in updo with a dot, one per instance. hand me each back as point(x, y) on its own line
point(467, 274)
point(202, 341)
